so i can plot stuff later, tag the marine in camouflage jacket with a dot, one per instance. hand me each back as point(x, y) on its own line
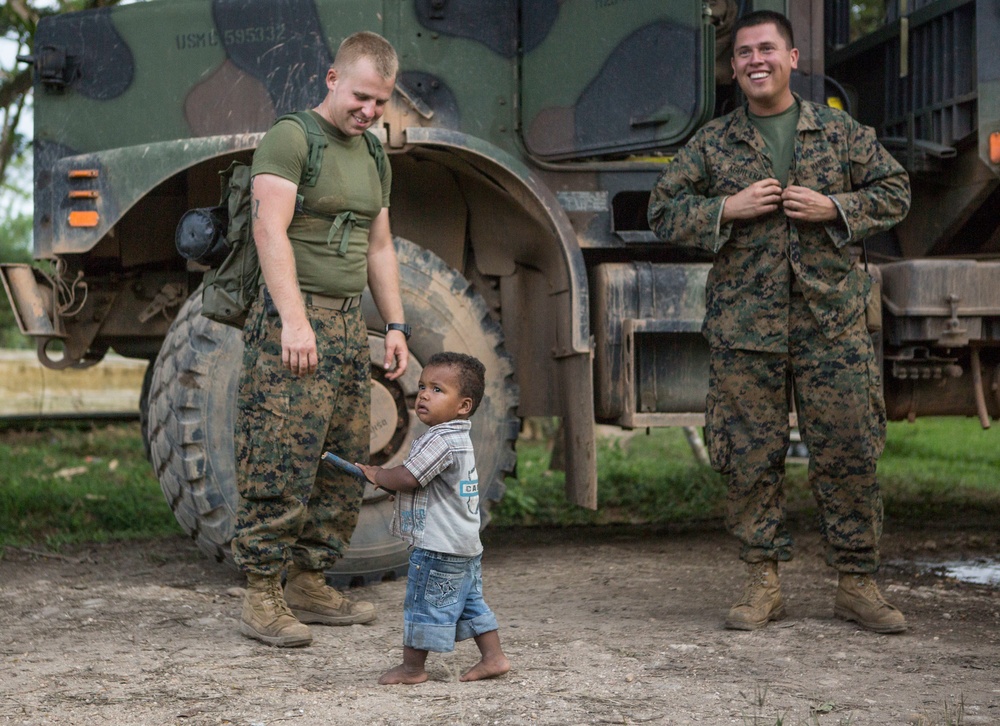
point(749, 286)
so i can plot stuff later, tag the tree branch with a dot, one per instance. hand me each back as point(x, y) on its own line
point(12, 97)
point(27, 14)
point(17, 85)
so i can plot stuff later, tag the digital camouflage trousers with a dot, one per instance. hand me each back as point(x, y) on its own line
point(291, 508)
point(837, 394)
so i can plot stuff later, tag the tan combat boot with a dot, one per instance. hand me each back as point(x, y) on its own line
point(313, 601)
point(859, 600)
point(761, 601)
point(267, 618)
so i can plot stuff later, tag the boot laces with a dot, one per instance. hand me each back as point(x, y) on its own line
point(276, 598)
point(870, 590)
point(756, 582)
point(315, 583)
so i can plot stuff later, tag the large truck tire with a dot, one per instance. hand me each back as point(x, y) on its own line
point(192, 396)
point(147, 384)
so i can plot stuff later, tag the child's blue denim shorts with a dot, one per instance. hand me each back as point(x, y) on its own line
point(444, 601)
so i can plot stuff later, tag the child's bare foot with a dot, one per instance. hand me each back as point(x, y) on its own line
point(402, 674)
point(488, 667)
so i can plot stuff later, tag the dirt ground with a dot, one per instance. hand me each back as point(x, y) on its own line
point(602, 626)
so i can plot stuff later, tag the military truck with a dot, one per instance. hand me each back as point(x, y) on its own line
point(524, 136)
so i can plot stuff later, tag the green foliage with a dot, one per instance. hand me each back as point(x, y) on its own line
point(89, 482)
point(941, 451)
point(15, 238)
point(943, 468)
point(866, 17)
point(86, 483)
point(647, 479)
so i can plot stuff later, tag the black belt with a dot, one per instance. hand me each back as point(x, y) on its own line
point(343, 304)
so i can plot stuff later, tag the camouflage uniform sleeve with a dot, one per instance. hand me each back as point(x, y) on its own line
point(881, 191)
point(680, 208)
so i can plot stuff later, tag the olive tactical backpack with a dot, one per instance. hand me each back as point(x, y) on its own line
point(222, 237)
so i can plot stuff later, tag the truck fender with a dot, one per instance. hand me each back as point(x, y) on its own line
point(116, 180)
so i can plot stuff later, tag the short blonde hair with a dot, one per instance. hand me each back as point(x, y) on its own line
point(365, 44)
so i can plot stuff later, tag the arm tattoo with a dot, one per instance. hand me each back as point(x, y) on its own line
point(254, 202)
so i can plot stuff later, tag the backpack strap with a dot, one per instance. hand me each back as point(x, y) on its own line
point(376, 150)
point(316, 142)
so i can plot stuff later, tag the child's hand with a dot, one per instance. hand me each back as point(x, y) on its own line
point(370, 473)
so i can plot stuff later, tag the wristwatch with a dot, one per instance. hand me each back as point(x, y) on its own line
point(403, 328)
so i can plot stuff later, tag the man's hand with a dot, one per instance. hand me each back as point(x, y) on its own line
point(761, 197)
point(273, 208)
point(809, 206)
point(397, 354)
point(298, 349)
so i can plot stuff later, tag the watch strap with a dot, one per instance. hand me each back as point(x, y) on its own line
point(403, 328)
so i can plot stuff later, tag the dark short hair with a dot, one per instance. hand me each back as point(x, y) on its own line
point(471, 374)
point(764, 17)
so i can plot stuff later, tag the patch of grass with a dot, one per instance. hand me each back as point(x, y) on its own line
point(78, 483)
point(647, 479)
point(930, 467)
point(936, 455)
point(72, 483)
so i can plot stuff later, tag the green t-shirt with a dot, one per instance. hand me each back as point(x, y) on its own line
point(348, 181)
point(778, 132)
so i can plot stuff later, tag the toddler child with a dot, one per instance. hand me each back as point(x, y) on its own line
point(437, 512)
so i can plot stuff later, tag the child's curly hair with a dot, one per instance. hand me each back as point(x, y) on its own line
point(471, 374)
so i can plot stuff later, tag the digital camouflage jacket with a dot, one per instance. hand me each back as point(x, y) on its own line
point(748, 288)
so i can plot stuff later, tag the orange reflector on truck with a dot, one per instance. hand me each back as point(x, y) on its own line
point(83, 173)
point(83, 219)
point(84, 194)
point(995, 147)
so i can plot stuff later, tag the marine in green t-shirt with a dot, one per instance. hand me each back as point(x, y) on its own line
point(305, 385)
point(348, 182)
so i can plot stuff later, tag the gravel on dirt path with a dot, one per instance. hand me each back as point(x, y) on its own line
point(602, 626)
